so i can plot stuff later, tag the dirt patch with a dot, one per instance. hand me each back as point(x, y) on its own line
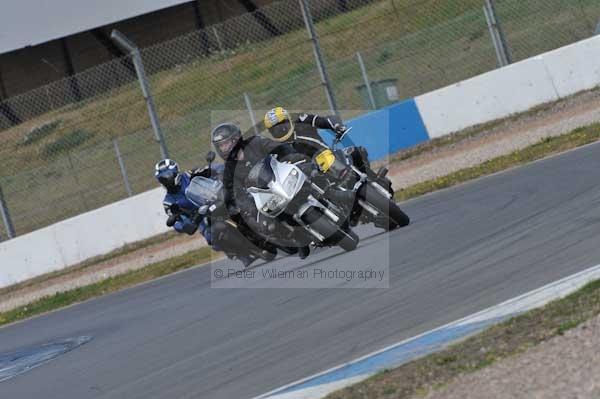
point(565, 367)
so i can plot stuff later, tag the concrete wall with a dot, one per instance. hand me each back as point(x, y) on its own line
point(574, 68)
point(484, 98)
point(515, 88)
point(74, 240)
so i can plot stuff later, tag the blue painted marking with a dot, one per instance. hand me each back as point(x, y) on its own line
point(387, 130)
point(397, 355)
point(15, 363)
point(406, 126)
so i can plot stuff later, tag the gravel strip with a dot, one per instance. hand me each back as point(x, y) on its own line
point(98, 272)
point(509, 136)
point(564, 367)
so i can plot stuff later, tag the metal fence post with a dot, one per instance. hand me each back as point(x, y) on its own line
point(497, 47)
point(251, 112)
point(310, 27)
point(365, 77)
point(8, 224)
point(122, 167)
point(498, 38)
point(219, 42)
point(222, 50)
point(130, 48)
point(501, 35)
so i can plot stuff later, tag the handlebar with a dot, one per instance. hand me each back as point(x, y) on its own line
point(339, 139)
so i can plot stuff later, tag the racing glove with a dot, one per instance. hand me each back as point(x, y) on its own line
point(339, 129)
point(171, 220)
point(337, 126)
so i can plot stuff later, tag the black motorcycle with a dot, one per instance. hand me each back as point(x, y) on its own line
point(368, 195)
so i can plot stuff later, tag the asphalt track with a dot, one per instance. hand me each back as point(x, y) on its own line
point(468, 248)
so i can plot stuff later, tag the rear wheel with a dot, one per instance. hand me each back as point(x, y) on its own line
point(332, 233)
point(349, 240)
point(388, 208)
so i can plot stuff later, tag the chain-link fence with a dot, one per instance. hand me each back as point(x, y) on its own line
point(87, 141)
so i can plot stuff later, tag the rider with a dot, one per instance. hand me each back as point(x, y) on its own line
point(301, 129)
point(240, 155)
point(182, 213)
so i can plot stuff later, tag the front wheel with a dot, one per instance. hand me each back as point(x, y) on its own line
point(349, 240)
point(385, 206)
point(332, 233)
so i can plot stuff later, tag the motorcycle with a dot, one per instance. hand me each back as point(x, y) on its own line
point(349, 170)
point(283, 193)
point(235, 238)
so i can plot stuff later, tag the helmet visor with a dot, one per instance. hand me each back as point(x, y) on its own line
point(169, 179)
point(261, 174)
point(282, 131)
point(224, 147)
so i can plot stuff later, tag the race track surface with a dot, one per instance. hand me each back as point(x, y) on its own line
point(468, 248)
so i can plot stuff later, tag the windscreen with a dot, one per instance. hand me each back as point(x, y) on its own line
point(261, 174)
point(203, 190)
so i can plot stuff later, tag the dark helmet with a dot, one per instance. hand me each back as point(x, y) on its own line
point(224, 138)
point(167, 173)
point(279, 124)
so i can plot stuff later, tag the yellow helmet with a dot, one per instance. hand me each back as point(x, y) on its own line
point(279, 124)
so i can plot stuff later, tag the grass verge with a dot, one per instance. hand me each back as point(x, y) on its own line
point(540, 150)
point(510, 338)
point(548, 146)
point(109, 285)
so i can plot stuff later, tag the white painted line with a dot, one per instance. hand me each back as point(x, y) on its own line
point(319, 391)
point(536, 298)
point(522, 303)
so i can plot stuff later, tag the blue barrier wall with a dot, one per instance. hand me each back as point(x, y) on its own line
point(387, 130)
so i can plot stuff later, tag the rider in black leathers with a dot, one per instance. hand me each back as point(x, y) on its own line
point(240, 155)
point(301, 131)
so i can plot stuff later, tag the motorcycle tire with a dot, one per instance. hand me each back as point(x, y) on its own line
point(347, 240)
point(389, 208)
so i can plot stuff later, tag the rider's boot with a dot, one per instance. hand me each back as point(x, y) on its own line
point(246, 260)
point(303, 252)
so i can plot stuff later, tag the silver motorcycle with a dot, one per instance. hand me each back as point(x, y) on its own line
point(282, 192)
